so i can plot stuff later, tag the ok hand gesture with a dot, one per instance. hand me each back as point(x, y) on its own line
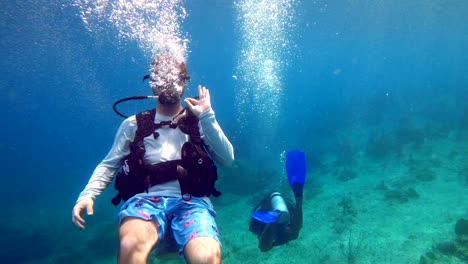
point(202, 104)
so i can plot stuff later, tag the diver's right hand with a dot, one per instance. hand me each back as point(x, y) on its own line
point(77, 213)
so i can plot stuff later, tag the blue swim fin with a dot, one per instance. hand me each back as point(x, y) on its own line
point(267, 217)
point(296, 170)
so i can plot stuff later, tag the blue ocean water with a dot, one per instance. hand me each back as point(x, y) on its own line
point(360, 82)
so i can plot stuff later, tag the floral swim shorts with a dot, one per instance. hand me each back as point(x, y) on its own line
point(184, 220)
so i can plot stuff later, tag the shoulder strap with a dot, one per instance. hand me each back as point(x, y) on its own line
point(188, 124)
point(145, 123)
point(145, 127)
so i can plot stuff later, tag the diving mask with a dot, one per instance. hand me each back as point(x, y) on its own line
point(167, 79)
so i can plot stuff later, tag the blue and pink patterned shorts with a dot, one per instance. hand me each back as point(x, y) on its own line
point(186, 219)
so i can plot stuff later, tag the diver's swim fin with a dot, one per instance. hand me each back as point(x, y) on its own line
point(266, 239)
point(266, 217)
point(296, 170)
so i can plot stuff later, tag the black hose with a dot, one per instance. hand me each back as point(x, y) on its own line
point(139, 97)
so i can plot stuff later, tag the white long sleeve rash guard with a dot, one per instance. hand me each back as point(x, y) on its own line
point(166, 147)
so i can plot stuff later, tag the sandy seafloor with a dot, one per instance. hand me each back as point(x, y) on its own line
point(387, 230)
point(391, 231)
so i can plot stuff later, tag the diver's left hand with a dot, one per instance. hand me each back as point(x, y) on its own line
point(202, 104)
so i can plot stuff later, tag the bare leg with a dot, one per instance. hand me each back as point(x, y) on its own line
point(203, 250)
point(137, 239)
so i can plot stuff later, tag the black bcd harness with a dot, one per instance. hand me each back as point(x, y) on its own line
point(195, 171)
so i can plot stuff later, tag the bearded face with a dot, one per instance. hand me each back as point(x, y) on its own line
point(168, 79)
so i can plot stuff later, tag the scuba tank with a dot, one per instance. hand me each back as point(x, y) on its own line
point(278, 203)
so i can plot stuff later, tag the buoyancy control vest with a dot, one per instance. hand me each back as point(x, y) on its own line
point(195, 171)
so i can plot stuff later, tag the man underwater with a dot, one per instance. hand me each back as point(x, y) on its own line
point(161, 195)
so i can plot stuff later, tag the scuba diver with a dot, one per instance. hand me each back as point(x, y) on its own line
point(163, 161)
point(276, 219)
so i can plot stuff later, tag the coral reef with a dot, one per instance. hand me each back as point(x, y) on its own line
point(382, 145)
point(462, 175)
point(400, 195)
point(352, 248)
point(346, 216)
point(423, 174)
point(420, 171)
point(345, 154)
point(320, 253)
point(409, 135)
point(346, 174)
point(461, 229)
point(251, 178)
point(456, 248)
